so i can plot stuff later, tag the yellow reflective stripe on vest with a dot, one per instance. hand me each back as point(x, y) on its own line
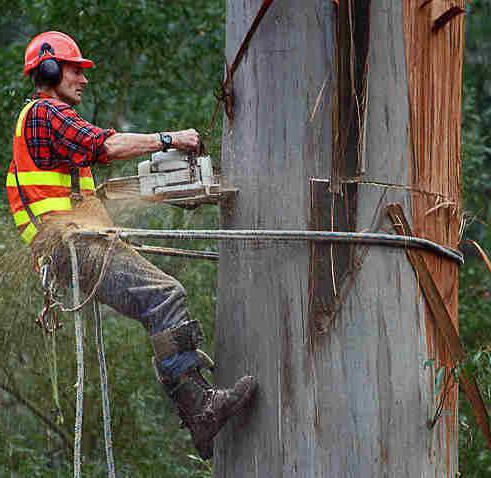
point(87, 183)
point(48, 178)
point(20, 120)
point(42, 207)
point(29, 233)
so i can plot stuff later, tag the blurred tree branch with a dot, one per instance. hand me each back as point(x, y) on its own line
point(12, 390)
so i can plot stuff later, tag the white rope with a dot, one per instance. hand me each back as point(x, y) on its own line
point(77, 448)
point(106, 411)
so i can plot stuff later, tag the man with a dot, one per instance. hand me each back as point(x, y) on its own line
point(50, 190)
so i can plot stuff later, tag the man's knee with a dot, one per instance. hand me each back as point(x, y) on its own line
point(167, 307)
point(176, 296)
point(179, 289)
point(173, 287)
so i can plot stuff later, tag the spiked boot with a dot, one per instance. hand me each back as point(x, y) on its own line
point(204, 409)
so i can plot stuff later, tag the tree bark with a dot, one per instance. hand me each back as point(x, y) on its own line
point(339, 337)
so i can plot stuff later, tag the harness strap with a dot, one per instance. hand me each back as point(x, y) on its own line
point(75, 184)
point(32, 217)
point(18, 132)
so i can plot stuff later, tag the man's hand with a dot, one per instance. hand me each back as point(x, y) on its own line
point(186, 140)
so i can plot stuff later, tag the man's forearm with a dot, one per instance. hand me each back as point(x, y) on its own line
point(132, 145)
point(122, 146)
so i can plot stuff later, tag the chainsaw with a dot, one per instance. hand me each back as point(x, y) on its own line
point(171, 177)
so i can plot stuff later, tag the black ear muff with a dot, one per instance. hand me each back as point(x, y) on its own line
point(49, 70)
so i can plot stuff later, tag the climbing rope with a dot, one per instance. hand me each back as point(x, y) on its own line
point(106, 412)
point(105, 263)
point(78, 305)
point(377, 239)
point(52, 362)
point(77, 448)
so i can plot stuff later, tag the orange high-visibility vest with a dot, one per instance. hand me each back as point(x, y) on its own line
point(33, 192)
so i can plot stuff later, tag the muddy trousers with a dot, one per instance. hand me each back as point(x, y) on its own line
point(132, 286)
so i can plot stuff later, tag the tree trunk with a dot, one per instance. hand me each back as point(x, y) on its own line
point(366, 99)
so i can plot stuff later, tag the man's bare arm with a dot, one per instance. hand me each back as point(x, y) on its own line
point(122, 146)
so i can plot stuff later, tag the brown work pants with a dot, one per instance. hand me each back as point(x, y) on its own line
point(131, 285)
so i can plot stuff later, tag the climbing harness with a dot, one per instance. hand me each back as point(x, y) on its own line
point(105, 263)
point(48, 318)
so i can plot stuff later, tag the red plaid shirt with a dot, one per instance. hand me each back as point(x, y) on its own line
point(56, 134)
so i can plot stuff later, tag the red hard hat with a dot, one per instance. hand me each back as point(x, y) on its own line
point(53, 45)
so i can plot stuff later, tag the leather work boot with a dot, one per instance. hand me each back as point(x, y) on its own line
point(204, 409)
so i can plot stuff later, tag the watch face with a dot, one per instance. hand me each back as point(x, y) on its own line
point(167, 139)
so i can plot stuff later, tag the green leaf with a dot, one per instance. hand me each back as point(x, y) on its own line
point(440, 375)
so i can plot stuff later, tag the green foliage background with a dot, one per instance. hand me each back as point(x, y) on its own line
point(158, 63)
point(475, 304)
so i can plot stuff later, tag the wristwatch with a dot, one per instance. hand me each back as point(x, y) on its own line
point(166, 140)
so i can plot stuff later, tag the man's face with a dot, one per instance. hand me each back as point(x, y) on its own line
point(72, 84)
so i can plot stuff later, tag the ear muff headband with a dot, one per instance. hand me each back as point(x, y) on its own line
point(49, 70)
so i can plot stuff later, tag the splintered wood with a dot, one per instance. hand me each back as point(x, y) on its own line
point(434, 34)
point(443, 11)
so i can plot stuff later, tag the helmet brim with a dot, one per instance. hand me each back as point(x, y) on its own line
point(81, 62)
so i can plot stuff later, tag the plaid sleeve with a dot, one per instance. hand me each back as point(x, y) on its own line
point(55, 133)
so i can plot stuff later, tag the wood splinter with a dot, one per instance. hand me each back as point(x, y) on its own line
point(442, 11)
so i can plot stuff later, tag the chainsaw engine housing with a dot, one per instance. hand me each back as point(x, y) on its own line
point(171, 177)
